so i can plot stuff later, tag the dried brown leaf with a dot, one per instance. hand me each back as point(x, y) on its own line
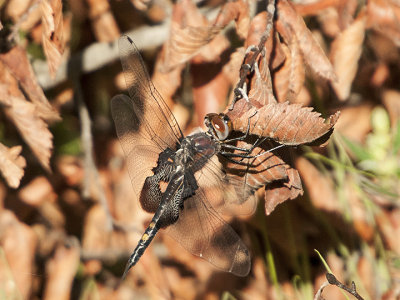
point(319, 187)
point(52, 34)
point(16, 8)
point(141, 4)
point(315, 7)
point(391, 99)
point(289, 79)
point(210, 89)
point(345, 53)
point(355, 122)
point(329, 20)
point(389, 225)
point(18, 243)
point(212, 51)
point(384, 16)
point(288, 23)
point(231, 69)
point(167, 82)
point(16, 61)
point(103, 22)
point(190, 31)
point(268, 168)
point(38, 191)
point(273, 52)
point(32, 128)
point(184, 43)
point(60, 271)
point(288, 124)
point(261, 92)
point(280, 191)
point(238, 11)
point(12, 164)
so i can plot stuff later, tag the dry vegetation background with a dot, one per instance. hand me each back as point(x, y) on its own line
point(67, 222)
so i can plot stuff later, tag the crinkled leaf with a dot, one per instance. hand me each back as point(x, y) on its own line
point(12, 164)
point(273, 52)
point(280, 191)
point(288, 124)
point(231, 69)
point(187, 42)
point(32, 128)
point(190, 31)
point(18, 243)
point(383, 16)
point(16, 61)
point(261, 92)
point(238, 11)
point(289, 22)
point(289, 79)
point(265, 168)
point(345, 53)
point(52, 34)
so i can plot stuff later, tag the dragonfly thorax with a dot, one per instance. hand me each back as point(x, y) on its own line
point(194, 151)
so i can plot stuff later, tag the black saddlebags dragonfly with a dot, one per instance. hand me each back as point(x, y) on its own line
point(176, 177)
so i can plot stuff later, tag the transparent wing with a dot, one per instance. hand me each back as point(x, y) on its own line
point(155, 120)
point(144, 124)
point(228, 195)
point(201, 231)
point(140, 151)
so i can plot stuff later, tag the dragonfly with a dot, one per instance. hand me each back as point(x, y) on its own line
point(178, 178)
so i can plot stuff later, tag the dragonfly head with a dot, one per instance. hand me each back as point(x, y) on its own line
point(219, 125)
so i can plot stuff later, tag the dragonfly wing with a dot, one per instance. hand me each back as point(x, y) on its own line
point(204, 233)
point(140, 150)
point(151, 112)
point(228, 195)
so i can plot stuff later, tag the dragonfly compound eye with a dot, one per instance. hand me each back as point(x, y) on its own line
point(221, 125)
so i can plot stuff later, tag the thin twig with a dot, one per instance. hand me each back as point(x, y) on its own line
point(332, 280)
point(253, 54)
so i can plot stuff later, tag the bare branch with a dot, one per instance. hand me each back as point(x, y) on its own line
point(332, 280)
point(254, 51)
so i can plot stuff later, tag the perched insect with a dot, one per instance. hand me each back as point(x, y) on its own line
point(175, 177)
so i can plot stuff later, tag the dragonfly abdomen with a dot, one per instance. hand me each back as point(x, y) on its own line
point(144, 242)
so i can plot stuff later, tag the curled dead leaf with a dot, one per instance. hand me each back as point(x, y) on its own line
point(289, 22)
point(190, 31)
point(279, 191)
point(345, 53)
point(61, 270)
point(32, 128)
point(12, 164)
point(231, 69)
point(52, 35)
point(261, 92)
point(289, 78)
point(391, 99)
point(383, 16)
point(238, 11)
point(186, 42)
point(18, 244)
point(319, 187)
point(17, 62)
point(103, 22)
point(38, 191)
